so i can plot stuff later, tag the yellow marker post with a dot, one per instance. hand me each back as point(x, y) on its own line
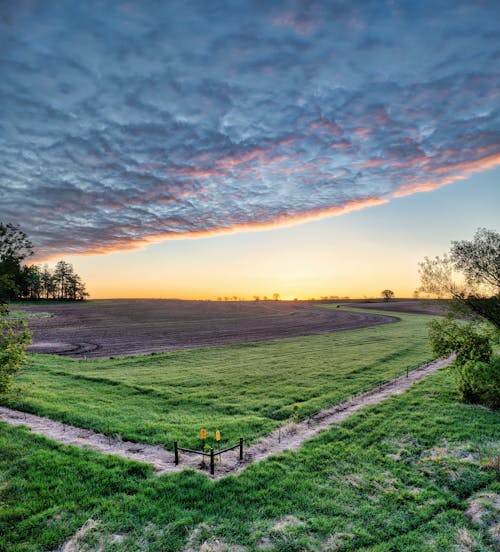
point(217, 438)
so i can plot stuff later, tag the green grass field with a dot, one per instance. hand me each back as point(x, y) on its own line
point(242, 390)
point(396, 476)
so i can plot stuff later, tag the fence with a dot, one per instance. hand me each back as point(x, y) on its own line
point(212, 454)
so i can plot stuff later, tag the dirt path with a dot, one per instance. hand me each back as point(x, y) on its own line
point(289, 437)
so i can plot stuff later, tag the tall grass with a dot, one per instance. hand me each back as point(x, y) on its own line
point(396, 476)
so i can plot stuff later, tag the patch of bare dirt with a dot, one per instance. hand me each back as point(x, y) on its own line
point(137, 326)
point(286, 522)
point(72, 544)
point(289, 437)
point(484, 510)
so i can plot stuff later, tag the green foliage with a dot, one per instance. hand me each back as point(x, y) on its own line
point(396, 476)
point(479, 382)
point(447, 336)
point(477, 371)
point(14, 336)
point(245, 390)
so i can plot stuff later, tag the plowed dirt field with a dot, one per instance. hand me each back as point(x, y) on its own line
point(104, 328)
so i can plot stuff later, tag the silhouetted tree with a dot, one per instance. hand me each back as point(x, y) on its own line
point(14, 248)
point(387, 294)
point(19, 281)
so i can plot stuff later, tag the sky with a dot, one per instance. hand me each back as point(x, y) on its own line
point(209, 149)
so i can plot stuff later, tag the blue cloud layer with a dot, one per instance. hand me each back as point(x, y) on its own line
point(124, 120)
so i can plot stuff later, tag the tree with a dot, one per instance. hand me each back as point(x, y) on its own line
point(276, 296)
point(14, 337)
point(14, 248)
point(387, 294)
point(14, 243)
point(469, 274)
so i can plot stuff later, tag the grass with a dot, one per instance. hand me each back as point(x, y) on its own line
point(242, 390)
point(35, 302)
point(23, 315)
point(396, 476)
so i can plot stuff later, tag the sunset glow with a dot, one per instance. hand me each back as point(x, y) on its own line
point(166, 149)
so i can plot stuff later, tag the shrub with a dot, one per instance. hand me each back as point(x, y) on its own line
point(447, 336)
point(479, 382)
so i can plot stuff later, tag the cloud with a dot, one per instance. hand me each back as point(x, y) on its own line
point(126, 123)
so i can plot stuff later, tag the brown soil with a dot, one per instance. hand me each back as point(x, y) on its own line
point(123, 327)
point(411, 306)
point(289, 437)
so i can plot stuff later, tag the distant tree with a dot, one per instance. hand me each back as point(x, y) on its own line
point(276, 296)
point(416, 294)
point(67, 284)
point(47, 282)
point(256, 298)
point(387, 294)
point(14, 336)
point(469, 274)
point(31, 284)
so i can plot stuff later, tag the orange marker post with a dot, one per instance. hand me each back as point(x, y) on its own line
point(203, 434)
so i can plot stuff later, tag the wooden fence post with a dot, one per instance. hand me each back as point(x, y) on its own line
point(241, 449)
point(212, 461)
point(176, 453)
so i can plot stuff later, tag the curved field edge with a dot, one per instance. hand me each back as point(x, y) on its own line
point(243, 390)
point(406, 474)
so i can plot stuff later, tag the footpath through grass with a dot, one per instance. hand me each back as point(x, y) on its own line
point(243, 390)
point(396, 476)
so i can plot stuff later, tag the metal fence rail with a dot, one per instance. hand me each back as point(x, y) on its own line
point(210, 454)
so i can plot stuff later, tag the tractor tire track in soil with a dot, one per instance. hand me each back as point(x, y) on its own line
point(289, 437)
point(122, 327)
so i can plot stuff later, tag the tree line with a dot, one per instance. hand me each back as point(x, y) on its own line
point(20, 281)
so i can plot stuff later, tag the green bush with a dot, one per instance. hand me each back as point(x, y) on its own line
point(469, 342)
point(479, 382)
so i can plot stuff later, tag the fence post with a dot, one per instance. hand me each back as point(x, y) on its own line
point(241, 449)
point(212, 461)
point(176, 453)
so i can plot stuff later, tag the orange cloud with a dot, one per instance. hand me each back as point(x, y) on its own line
point(467, 168)
point(279, 222)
